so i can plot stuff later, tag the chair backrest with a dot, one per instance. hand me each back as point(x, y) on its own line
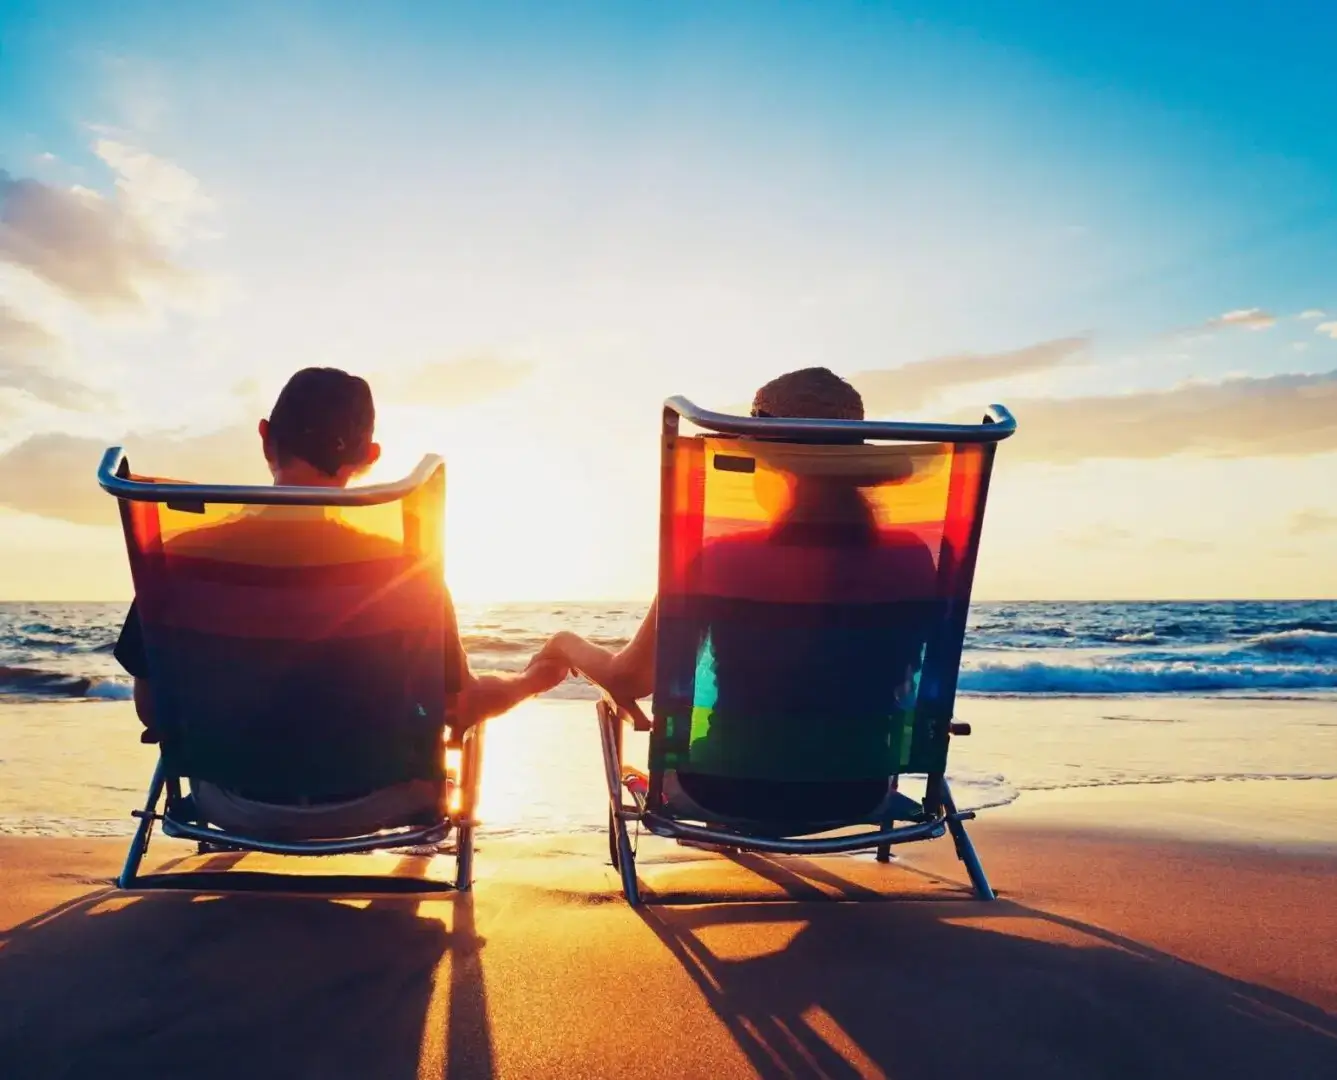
point(294, 649)
point(813, 594)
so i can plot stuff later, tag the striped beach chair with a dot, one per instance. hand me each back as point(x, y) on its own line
point(296, 647)
point(814, 582)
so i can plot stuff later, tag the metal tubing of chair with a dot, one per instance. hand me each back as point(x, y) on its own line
point(623, 857)
point(601, 712)
point(464, 858)
point(471, 771)
point(396, 838)
point(965, 850)
point(998, 425)
point(822, 845)
point(257, 495)
point(139, 843)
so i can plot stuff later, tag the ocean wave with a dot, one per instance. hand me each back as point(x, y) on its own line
point(27, 682)
point(1303, 641)
point(1112, 678)
point(520, 642)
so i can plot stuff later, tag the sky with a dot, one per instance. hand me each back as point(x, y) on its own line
point(528, 226)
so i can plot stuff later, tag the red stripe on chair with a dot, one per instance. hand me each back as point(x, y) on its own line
point(958, 555)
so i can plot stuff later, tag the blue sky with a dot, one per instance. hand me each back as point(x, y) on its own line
point(558, 218)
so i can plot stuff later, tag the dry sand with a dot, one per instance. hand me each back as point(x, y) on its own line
point(1109, 954)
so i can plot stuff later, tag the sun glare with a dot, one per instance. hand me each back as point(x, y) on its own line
point(522, 515)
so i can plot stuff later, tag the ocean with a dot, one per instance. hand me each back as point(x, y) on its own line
point(1060, 695)
point(1259, 648)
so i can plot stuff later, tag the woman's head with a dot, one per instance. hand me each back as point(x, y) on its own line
point(320, 429)
point(812, 393)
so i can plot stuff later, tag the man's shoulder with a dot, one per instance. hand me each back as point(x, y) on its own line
point(256, 534)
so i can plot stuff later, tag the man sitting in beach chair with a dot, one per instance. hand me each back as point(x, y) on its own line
point(804, 646)
point(319, 435)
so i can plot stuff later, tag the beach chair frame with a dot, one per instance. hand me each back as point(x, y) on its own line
point(164, 801)
point(934, 817)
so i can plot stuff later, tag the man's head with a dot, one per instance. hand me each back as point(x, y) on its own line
point(320, 429)
point(812, 393)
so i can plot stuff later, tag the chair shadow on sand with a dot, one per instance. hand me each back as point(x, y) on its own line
point(202, 984)
point(910, 983)
point(937, 984)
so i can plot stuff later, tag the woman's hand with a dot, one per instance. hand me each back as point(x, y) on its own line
point(544, 673)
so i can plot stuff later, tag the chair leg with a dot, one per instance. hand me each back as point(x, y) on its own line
point(884, 853)
point(619, 842)
point(471, 753)
point(139, 845)
point(965, 850)
point(464, 858)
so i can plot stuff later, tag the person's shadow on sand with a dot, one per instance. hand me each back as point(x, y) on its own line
point(245, 984)
point(942, 985)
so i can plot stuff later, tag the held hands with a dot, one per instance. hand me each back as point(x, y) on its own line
point(543, 673)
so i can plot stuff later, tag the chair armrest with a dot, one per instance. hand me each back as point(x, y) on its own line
point(630, 713)
point(958, 728)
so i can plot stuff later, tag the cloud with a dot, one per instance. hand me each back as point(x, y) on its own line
point(1099, 536)
point(1329, 328)
point(27, 357)
point(1106, 537)
point(158, 192)
point(912, 385)
point(52, 474)
point(1244, 319)
point(1312, 521)
point(104, 252)
point(1313, 313)
point(453, 383)
point(1182, 546)
point(1245, 417)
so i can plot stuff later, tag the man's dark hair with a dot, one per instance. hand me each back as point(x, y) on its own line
point(324, 417)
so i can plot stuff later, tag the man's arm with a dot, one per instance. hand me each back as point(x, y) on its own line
point(481, 697)
point(144, 709)
point(129, 653)
point(485, 696)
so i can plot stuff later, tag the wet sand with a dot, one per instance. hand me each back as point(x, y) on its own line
point(1112, 952)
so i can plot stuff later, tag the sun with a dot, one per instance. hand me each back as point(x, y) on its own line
point(523, 514)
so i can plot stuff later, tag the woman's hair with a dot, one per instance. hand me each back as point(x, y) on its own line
point(813, 393)
point(325, 417)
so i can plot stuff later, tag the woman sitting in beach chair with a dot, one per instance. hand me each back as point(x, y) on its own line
point(287, 635)
point(804, 645)
point(821, 533)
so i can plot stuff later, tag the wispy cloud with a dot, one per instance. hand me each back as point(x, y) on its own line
point(50, 474)
point(1313, 313)
point(104, 252)
point(1245, 417)
point(1244, 319)
point(1329, 328)
point(1313, 521)
point(452, 383)
point(1108, 537)
point(912, 385)
point(29, 362)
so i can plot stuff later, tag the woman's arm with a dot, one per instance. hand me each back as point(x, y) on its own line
point(627, 674)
